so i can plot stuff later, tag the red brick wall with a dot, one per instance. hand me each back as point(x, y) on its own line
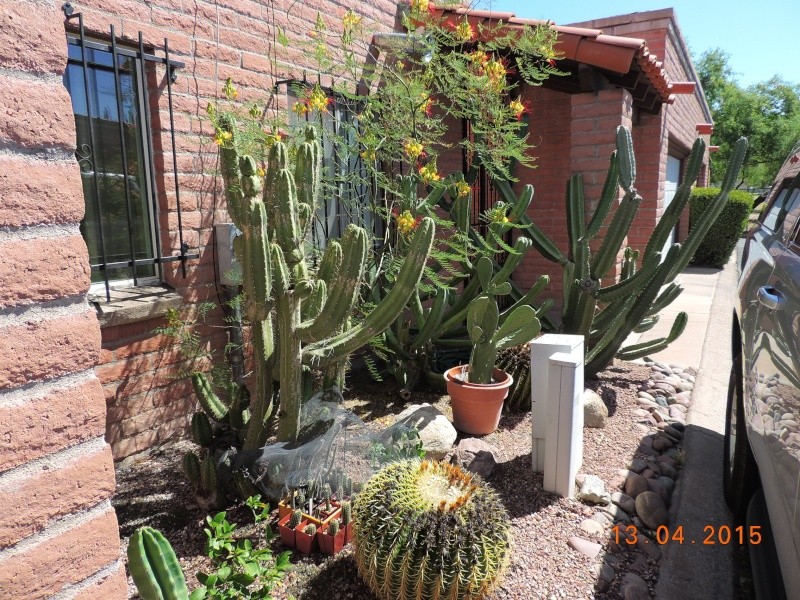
point(230, 38)
point(59, 533)
point(673, 130)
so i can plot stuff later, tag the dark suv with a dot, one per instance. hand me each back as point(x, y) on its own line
point(762, 437)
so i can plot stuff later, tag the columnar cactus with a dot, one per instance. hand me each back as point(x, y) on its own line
point(607, 315)
point(312, 312)
point(430, 530)
point(154, 567)
point(296, 518)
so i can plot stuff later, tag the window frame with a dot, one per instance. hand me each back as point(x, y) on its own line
point(145, 146)
point(141, 58)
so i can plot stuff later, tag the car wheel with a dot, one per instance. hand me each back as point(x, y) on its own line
point(740, 473)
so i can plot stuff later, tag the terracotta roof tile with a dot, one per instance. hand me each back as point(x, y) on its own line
point(590, 46)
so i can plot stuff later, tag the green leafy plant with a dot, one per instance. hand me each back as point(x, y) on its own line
point(430, 530)
point(241, 571)
point(719, 242)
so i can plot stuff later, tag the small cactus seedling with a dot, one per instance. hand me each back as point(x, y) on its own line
point(310, 529)
point(333, 527)
point(347, 512)
point(296, 518)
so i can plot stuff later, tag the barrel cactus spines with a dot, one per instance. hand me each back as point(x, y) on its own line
point(154, 567)
point(313, 320)
point(606, 314)
point(430, 530)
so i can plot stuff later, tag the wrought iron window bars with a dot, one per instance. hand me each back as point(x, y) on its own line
point(87, 152)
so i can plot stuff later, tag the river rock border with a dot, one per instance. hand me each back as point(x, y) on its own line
point(630, 514)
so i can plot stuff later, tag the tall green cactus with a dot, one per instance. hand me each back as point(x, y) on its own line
point(607, 315)
point(154, 567)
point(312, 312)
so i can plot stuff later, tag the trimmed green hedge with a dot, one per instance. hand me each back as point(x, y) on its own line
point(717, 246)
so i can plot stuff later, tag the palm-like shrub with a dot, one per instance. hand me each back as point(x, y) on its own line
point(430, 530)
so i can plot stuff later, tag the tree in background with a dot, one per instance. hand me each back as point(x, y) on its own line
point(767, 113)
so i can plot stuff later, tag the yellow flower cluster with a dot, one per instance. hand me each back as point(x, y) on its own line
point(230, 91)
point(318, 100)
point(463, 189)
point(221, 137)
point(368, 154)
point(420, 5)
point(496, 73)
point(464, 32)
point(406, 223)
point(350, 20)
point(428, 173)
point(260, 172)
point(498, 215)
point(516, 107)
point(413, 149)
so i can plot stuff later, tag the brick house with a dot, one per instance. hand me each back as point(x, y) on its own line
point(89, 114)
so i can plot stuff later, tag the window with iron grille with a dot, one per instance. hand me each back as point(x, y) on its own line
point(348, 194)
point(108, 84)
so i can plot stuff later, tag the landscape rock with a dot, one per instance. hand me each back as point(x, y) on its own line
point(594, 490)
point(660, 444)
point(595, 411)
point(592, 527)
point(585, 547)
point(634, 588)
point(624, 501)
point(476, 456)
point(637, 465)
point(650, 508)
point(435, 430)
point(635, 484)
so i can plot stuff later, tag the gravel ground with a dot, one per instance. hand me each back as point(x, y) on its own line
point(153, 491)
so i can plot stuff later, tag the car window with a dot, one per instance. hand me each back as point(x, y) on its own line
point(792, 212)
point(773, 212)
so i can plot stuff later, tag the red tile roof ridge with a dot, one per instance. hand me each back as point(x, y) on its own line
point(571, 47)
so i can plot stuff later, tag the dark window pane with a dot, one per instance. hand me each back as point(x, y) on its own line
point(108, 182)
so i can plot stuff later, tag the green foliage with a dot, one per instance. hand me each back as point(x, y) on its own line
point(430, 530)
point(241, 571)
point(605, 316)
point(767, 113)
point(719, 242)
point(154, 567)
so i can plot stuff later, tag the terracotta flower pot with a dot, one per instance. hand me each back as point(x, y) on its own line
point(287, 533)
point(476, 406)
point(305, 543)
point(330, 544)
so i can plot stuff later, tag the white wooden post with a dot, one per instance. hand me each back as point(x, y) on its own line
point(557, 409)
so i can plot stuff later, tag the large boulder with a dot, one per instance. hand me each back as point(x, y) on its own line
point(595, 411)
point(435, 430)
point(476, 456)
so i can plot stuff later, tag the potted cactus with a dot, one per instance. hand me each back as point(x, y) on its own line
point(331, 537)
point(347, 520)
point(477, 390)
point(305, 536)
point(287, 526)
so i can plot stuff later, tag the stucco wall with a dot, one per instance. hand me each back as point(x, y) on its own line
point(59, 532)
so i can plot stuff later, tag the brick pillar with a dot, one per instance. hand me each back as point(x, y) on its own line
point(59, 533)
point(595, 118)
point(650, 145)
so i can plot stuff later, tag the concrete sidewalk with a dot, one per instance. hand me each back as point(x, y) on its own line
point(699, 285)
point(693, 570)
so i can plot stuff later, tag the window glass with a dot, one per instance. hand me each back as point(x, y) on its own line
point(118, 220)
point(346, 194)
point(772, 213)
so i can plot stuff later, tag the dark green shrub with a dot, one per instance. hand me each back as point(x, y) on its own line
point(717, 245)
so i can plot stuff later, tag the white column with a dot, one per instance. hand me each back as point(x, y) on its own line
point(557, 409)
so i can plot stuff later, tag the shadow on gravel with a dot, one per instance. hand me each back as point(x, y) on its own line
point(520, 488)
point(336, 578)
